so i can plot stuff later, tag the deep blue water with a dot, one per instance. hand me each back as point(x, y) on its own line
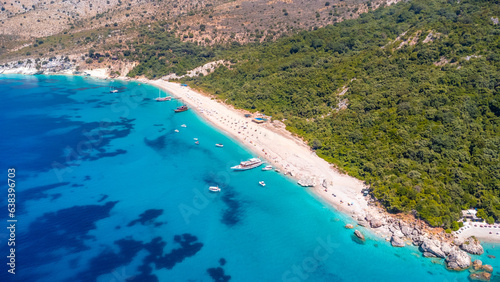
point(107, 191)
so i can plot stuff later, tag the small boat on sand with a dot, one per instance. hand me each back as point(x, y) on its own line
point(277, 170)
point(267, 167)
point(261, 183)
point(214, 188)
point(219, 145)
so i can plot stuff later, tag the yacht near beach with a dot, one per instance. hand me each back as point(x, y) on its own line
point(182, 108)
point(246, 165)
point(267, 167)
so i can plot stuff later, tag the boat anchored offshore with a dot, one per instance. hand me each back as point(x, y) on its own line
point(251, 163)
point(214, 188)
point(261, 183)
point(182, 108)
point(219, 145)
point(112, 89)
point(161, 99)
point(267, 167)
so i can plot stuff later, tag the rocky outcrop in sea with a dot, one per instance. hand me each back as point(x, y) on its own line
point(455, 254)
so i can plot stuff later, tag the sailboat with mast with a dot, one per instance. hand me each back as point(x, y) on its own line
point(161, 99)
point(112, 89)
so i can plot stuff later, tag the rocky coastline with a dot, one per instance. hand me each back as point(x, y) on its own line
point(53, 65)
point(455, 252)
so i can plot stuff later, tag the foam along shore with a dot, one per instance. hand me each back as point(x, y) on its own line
point(280, 149)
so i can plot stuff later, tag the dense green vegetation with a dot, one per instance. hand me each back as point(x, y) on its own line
point(160, 52)
point(424, 135)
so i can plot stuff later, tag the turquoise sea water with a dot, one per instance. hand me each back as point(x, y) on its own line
point(106, 190)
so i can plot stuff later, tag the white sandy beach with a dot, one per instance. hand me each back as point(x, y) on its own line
point(291, 155)
point(279, 148)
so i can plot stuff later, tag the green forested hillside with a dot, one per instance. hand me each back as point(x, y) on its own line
point(422, 121)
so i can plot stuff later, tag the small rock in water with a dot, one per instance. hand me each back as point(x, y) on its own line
point(477, 264)
point(487, 268)
point(359, 235)
point(349, 226)
point(481, 276)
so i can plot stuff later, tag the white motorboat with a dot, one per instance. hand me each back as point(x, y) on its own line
point(251, 163)
point(267, 167)
point(219, 145)
point(261, 183)
point(214, 188)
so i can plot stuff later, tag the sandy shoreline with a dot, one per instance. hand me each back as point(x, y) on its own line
point(279, 148)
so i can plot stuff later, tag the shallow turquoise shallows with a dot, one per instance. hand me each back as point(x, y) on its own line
point(107, 190)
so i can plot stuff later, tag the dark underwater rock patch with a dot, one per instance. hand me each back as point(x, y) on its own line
point(146, 217)
point(55, 234)
point(108, 261)
point(233, 213)
point(157, 143)
point(40, 192)
point(218, 275)
point(103, 197)
point(66, 228)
